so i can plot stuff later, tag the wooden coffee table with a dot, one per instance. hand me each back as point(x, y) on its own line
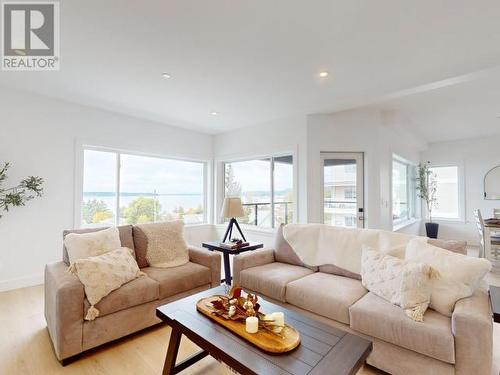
point(323, 349)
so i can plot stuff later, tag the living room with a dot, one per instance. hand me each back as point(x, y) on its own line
point(331, 132)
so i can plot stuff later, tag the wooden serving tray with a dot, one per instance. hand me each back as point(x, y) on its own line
point(288, 340)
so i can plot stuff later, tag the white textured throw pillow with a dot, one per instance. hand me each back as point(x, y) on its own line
point(460, 275)
point(102, 274)
point(405, 284)
point(166, 245)
point(84, 245)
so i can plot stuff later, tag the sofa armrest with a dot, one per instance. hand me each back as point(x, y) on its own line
point(64, 309)
point(472, 326)
point(250, 259)
point(209, 259)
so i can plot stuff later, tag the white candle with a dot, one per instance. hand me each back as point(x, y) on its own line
point(279, 318)
point(252, 324)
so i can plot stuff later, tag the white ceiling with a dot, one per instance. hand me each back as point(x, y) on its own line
point(254, 61)
point(466, 109)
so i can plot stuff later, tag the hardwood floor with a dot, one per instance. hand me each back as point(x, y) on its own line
point(25, 348)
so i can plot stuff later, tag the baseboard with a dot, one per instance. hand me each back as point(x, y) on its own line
point(21, 282)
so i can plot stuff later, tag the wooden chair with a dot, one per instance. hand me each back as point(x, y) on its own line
point(489, 246)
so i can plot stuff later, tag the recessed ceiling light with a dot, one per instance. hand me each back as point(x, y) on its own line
point(214, 113)
point(166, 75)
point(323, 74)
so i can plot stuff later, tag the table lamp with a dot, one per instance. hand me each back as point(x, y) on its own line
point(231, 209)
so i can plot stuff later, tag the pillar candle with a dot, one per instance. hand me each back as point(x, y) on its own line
point(279, 318)
point(252, 324)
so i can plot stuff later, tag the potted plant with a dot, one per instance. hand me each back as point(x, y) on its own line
point(18, 195)
point(426, 189)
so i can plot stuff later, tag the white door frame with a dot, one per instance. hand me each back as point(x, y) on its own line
point(360, 182)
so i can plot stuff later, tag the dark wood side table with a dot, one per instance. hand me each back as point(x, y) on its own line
point(215, 246)
point(495, 302)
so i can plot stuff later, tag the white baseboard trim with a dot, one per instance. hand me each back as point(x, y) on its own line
point(21, 282)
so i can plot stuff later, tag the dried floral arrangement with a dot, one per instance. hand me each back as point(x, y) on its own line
point(236, 307)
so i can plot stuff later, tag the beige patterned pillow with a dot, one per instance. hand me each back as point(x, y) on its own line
point(84, 245)
point(166, 245)
point(104, 273)
point(405, 284)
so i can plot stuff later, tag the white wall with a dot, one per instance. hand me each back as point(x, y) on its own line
point(378, 135)
point(476, 156)
point(38, 135)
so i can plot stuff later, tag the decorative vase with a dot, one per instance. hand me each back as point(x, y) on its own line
point(432, 230)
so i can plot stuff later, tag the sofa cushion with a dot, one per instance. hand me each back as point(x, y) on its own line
point(375, 317)
point(133, 293)
point(125, 232)
point(271, 279)
point(325, 294)
point(179, 279)
point(451, 245)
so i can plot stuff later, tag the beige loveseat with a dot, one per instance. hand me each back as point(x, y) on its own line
point(440, 345)
point(125, 310)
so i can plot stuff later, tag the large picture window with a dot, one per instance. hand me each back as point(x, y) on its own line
point(265, 187)
point(403, 191)
point(121, 188)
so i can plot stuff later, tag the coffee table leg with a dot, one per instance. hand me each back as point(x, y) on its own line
point(227, 269)
point(173, 348)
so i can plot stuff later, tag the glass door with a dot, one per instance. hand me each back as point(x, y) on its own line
point(342, 189)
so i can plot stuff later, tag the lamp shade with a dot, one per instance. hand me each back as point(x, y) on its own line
point(232, 207)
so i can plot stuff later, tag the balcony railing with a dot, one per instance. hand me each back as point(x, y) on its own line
point(339, 204)
point(253, 216)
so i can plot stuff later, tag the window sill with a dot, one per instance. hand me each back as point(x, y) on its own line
point(404, 224)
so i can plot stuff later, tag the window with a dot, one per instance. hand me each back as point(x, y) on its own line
point(403, 191)
point(120, 188)
point(256, 181)
point(447, 193)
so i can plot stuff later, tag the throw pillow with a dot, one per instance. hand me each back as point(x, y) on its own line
point(102, 274)
point(166, 246)
point(402, 283)
point(84, 245)
point(460, 274)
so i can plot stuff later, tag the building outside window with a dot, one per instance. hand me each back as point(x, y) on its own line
point(403, 190)
point(447, 193)
point(121, 188)
point(340, 194)
point(266, 189)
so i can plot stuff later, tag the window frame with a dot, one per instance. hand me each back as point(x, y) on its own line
point(220, 188)
point(411, 192)
point(79, 172)
point(461, 191)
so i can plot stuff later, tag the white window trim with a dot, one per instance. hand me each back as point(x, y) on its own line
point(461, 194)
point(402, 223)
point(219, 185)
point(81, 146)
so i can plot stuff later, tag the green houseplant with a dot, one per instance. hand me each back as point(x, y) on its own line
point(426, 190)
point(18, 195)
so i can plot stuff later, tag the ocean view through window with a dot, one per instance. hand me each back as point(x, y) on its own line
point(121, 188)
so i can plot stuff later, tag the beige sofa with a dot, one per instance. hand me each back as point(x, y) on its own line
point(440, 345)
point(125, 310)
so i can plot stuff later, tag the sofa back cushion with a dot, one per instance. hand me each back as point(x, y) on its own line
point(125, 233)
point(284, 253)
point(451, 245)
